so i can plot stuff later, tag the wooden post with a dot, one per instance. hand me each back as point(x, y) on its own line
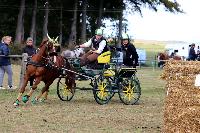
point(23, 68)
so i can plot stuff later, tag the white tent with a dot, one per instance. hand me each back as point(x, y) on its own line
point(181, 49)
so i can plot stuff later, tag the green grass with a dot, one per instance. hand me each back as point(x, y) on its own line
point(152, 49)
point(83, 114)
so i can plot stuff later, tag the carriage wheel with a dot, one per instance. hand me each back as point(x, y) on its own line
point(129, 91)
point(64, 92)
point(103, 90)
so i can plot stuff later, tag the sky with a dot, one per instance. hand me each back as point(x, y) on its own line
point(166, 26)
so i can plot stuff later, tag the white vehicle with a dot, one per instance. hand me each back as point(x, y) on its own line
point(180, 49)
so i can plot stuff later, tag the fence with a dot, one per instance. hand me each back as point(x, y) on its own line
point(24, 56)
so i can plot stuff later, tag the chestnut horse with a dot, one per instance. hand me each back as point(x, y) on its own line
point(46, 68)
point(162, 57)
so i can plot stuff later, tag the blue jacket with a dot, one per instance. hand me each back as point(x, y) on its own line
point(30, 50)
point(4, 50)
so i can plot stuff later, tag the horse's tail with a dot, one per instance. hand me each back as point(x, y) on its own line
point(70, 77)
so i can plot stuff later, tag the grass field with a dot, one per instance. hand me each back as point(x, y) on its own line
point(83, 114)
point(152, 49)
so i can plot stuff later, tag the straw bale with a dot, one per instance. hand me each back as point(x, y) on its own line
point(182, 120)
point(182, 102)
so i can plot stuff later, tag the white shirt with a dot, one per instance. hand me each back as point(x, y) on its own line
point(102, 45)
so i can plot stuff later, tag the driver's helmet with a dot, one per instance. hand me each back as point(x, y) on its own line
point(125, 36)
point(99, 32)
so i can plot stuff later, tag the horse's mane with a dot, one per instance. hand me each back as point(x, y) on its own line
point(43, 42)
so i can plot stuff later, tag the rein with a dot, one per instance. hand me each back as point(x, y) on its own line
point(45, 60)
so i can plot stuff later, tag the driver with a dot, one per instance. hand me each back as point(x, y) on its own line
point(98, 45)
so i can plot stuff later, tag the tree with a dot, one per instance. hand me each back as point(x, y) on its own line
point(20, 24)
point(73, 37)
point(99, 23)
point(45, 26)
point(61, 23)
point(33, 23)
point(136, 5)
point(84, 18)
point(70, 22)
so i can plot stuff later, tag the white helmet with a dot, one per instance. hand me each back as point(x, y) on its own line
point(99, 32)
point(125, 36)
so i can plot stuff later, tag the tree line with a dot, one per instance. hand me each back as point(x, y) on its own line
point(72, 20)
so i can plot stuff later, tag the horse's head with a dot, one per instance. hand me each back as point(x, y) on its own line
point(49, 45)
point(163, 56)
point(45, 47)
point(53, 41)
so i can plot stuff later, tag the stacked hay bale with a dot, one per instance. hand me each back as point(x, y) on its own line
point(182, 103)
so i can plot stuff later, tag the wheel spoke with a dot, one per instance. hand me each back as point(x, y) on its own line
point(64, 92)
point(103, 93)
point(129, 91)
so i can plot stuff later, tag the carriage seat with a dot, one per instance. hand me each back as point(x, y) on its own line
point(104, 58)
point(127, 72)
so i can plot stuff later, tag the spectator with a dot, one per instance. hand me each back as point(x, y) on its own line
point(192, 53)
point(5, 64)
point(30, 50)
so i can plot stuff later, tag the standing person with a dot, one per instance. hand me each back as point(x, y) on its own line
point(5, 64)
point(130, 56)
point(192, 53)
point(98, 45)
point(30, 50)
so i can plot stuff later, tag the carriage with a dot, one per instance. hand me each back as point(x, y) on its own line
point(106, 77)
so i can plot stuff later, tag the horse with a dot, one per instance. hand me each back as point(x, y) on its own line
point(162, 57)
point(46, 68)
point(73, 53)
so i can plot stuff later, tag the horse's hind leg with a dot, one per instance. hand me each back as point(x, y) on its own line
point(44, 91)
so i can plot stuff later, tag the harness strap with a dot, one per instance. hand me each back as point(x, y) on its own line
point(37, 64)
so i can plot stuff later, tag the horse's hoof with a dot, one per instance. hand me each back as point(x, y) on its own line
point(25, 98)
point(43, 100)
point(34, 101)
point(16, 103)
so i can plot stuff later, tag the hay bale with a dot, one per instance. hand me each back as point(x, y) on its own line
point(182, 102)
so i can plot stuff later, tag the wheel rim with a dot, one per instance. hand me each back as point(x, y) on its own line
point(65, 93)
point(129, 91)
point(103, 91)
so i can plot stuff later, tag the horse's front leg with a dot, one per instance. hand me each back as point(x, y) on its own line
point(26, 97)
point(21, 91)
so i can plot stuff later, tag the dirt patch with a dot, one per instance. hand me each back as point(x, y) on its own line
point(82, 114)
